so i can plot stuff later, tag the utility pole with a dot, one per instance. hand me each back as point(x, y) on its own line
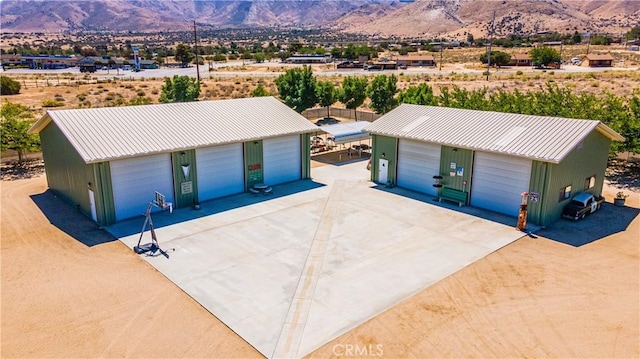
point(195, 37)
point(441, 49)
point(493, 19)
point(561, 43)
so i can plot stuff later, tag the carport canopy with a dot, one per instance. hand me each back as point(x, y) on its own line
point(347, 132)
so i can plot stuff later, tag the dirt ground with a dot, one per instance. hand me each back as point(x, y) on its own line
point(537, 297)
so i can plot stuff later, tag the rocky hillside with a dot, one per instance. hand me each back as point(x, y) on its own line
point(424, 18)
point(166, 15)
point(456, 18)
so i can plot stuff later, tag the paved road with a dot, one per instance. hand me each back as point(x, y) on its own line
point(229, 70)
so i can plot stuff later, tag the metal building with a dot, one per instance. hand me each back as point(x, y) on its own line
point(492, 157)
point(110, 161)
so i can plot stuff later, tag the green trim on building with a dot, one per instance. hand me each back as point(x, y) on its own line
point(388, 146)
point(253, 163)
point(105, 206)
point(306, 155)
point(538, 183)
point(460, 158)
point(185, 189)
point(589, 159)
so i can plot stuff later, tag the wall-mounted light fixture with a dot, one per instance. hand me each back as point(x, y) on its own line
point(384, 155)
point(455, 150)
point(255, 142)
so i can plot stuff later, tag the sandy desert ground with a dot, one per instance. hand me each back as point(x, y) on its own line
point(534, 298)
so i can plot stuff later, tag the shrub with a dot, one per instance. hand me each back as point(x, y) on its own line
point(52, 103)
point(9, 86)
point(140, 93)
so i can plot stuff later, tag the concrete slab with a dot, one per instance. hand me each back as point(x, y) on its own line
point(254, 264)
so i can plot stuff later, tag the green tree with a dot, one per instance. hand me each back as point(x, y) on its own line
point(9, 86)
point(326, 94)
point(418, 95)
point(353, 92)
point(336, 52)
point(180, 89)
point(219, 58)
point(184, 54)
point(634, 33)
point(258, 57)
point(297, 88)
point(576, 38)
point(260, 91)
point(382, 91)
point(15, 121)
point(543, 56)
point(601, 40)
point(498, 58)
point(350, 52)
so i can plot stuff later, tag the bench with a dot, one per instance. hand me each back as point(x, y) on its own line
point(453, 195)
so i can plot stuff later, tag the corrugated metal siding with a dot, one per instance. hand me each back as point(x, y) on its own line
point(66, 172)
point(538, 183)
point(101, 134)
point(187, 157)
point(548, 139)
point(590, 160)
point(388, 146)
point(462, 158)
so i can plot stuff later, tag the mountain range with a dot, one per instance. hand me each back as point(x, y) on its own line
point(419, 18)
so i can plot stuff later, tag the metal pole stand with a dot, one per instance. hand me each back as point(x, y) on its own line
point(153, 246)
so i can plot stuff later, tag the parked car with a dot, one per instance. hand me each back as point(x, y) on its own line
point(372, 67)
point(575, 60)
point(581, 205)
point(327, 121)
point(348, 65)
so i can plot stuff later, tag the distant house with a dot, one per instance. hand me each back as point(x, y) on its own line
point(592, 60)
point(39, 61)
point(520, 60)
point(420, 60)
point(308, 59)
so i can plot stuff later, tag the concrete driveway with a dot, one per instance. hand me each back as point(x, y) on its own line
point(292, 271)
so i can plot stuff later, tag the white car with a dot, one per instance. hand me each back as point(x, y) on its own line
point(575, 60)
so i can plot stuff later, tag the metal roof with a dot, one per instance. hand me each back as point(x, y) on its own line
point(103, 134)
point(547, 139)
point(347, 132)
point(599, 57)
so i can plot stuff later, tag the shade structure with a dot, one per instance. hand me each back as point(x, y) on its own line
point(347, 132)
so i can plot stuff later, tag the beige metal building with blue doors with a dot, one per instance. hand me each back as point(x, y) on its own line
point(491, 158)
point(109, 162)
